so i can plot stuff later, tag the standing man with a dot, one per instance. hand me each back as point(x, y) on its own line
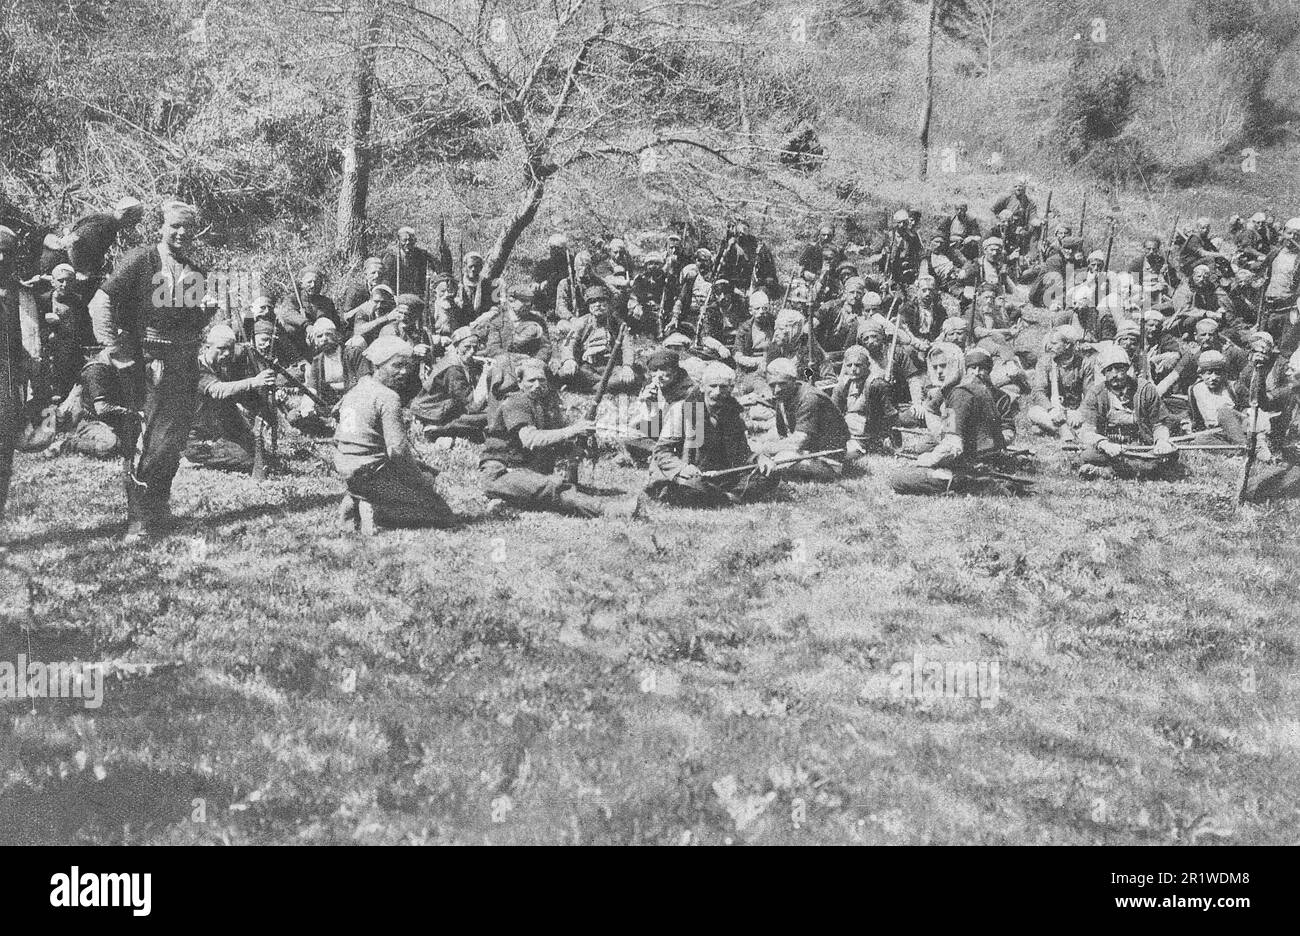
point(149, 315)
point(406, 266)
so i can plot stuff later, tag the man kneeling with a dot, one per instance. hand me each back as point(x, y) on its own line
point(374, 455)
point(703, 434)
point(526, 436)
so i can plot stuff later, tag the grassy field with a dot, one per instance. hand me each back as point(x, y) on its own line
point(704, 677)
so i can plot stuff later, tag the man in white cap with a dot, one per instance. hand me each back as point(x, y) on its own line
point(645, 307)
point(990, 267)
point(232, 390)
point(406, 265)
point(150, 317)
point(705, 432)
point(333, 370)
point(374, 456)
point(527, 436)
point(900, 255)
point(67, 335)
point(474, 294)
point(446, 405)
point(754, 336)
point(1198, 294)
point(807, 421)
point(965, 430)
point(1061, 377)
point(1119, 411)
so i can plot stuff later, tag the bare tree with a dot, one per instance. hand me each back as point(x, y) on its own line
point(578, 81)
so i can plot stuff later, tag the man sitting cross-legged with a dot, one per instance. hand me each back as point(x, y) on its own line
point(1120, 412)
point(526, 436)
point(705, 432)
point(374, 457)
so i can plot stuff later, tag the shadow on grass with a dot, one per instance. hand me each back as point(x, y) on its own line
point(189, 525)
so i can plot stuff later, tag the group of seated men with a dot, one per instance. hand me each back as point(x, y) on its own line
point(903, 350)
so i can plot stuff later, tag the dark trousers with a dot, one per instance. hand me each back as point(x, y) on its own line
point(711, 492)
point(1272, 482)
point(170, 383)
point(1124, 466)
point(402, 494)
point(914, 479)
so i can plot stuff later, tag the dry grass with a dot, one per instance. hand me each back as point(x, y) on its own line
point(705, 677)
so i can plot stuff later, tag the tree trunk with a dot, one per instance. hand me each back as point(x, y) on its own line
point(928, 107)
point(515, 225)
point(355, 188)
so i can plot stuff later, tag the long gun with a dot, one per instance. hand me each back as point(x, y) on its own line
point(893, 342)
point(727, 472)
point(1042, 229)
point(1252, 440)
point(290, 378)
point(1169, 254)
point(589, 443)
point(1083, 215)
point(1105, 272)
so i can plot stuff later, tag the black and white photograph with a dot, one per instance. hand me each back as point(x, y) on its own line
point(651, 422)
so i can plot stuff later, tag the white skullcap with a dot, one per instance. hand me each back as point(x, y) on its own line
point(781, 367)
point(63, 268)
point(386, 347)
point(758, 300)
point(717, 372)
point(789, 318)
point(127, 204)
point(872, 300)
point(1110, 355)
point(405, 230)
point(321, 326)
point(557, 240)
point(221, 334)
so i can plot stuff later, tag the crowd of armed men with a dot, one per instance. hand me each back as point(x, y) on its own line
point(735, 374)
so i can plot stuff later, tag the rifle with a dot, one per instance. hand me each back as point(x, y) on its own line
point(1252, 440)
point(589, 443)
point(1105, 269)
point(1169, 254)
point(1042, 230)
point(289, 377)
point(727, 472)
point(893, 343)
point(1083, 214)
point(975, 468)
point(808, 318)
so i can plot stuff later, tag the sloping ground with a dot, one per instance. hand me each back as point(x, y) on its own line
point(703, 677)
